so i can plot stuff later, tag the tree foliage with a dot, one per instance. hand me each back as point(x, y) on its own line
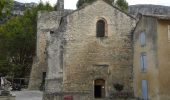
point(18, 42)
point(82, 2)
point(122, 4)
point(5, 4)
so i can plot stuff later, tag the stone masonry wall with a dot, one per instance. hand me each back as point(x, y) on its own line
point(55, 61)
point(87, 57)
point(47, 21)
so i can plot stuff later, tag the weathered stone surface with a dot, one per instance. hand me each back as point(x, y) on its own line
point(149, 9)
point(60, 96)
point(73, 57)
point(76, 57)
point(47, 21)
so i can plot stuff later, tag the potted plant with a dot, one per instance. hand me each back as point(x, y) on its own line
point(118, 87)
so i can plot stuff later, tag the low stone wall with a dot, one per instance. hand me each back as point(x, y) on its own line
point(67, 96)
point(79, 96)
point(7, 97)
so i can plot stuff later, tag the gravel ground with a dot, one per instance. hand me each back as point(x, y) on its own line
point(27, 95)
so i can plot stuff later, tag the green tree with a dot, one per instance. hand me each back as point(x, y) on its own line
point(18, 42)
point(5, 4)
point(122, 4)
point(81, 2)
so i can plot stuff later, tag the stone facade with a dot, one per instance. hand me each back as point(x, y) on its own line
point(78, 63)
point(76, 57)
point(87, 57)
point(46, 22)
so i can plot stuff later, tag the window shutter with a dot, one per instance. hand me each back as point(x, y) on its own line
point(168, 33)
point(143, 63)
point(142, 38)
point(144, 90)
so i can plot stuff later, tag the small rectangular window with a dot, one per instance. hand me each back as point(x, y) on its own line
point(144, 90)
point(168, 33)
point(142, 38)
point(143, 62)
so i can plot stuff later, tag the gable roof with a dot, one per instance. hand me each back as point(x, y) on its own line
point(84, 6)
point(119, 9)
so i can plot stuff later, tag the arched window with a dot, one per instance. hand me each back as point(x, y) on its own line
point(99, 88)
point(100, 28)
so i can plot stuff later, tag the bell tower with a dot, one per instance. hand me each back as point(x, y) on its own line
point(113, 2)
point(60, 5)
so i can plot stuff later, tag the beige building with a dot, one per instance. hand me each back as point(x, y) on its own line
point(151, 57)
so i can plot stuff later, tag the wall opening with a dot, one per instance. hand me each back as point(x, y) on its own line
point(99, 88)
point(43, 77)
point(42, 87)
point(101, 28)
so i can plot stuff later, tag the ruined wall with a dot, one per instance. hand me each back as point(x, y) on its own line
point(163, 59)
point(55, 70)
point(47, 21)
point(55, 59)
point(149, 26)
point(87, 57)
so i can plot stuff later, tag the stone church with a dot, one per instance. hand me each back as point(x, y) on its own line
point(89, 54)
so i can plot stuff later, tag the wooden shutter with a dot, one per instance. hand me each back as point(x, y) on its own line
point(142, 38)
point(143, 63)
point(168, 33)
point(144, 90)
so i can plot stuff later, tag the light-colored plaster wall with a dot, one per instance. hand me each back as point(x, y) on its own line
point(149, 26)
point(163, 59)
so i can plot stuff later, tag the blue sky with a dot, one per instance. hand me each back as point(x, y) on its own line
point(71, 4)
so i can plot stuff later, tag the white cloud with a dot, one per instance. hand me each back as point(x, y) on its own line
point(71, 4)
point(156, 2)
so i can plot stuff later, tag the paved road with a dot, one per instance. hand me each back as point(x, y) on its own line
point(28, 95)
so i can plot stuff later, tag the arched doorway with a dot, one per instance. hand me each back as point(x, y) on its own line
point(99, 88)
